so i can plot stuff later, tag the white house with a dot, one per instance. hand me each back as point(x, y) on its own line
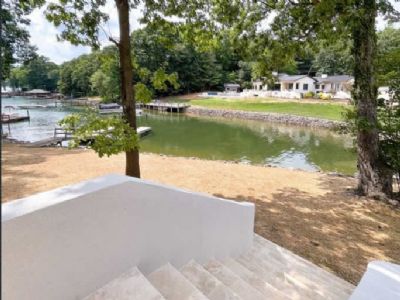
point(296, 83)
point(294, 86)
point(334, 84)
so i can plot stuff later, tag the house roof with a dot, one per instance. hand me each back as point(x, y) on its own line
point(292, 78)
point(334, 78)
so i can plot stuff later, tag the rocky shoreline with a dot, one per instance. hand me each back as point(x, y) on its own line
point(267, 117)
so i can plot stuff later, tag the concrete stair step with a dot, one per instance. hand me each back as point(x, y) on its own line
point(301, 283)
point(308, 270)
point(233, 281)
point(209, 285)
point(173, 285)
point(129, 286)
point(265, 288)
point(303, 278)
point(274, 277)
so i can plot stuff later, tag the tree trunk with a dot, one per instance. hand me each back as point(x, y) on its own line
point(127, 94)
point(374, 179)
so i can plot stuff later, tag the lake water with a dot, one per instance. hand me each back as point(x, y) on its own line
point(242, 141)
point(42, 122)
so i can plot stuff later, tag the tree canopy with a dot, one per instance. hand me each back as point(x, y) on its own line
point(14, 42)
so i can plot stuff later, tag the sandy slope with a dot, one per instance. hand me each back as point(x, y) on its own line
point(312, 214)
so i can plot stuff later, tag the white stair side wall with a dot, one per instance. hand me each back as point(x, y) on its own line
point(66, 250)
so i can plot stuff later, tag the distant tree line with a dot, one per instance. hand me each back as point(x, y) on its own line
point(160, 53)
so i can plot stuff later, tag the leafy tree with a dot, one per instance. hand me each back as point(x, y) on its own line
point(389, 128)
point(388, 61)
point(102, 86)
point(75, 75)
point(301, 22)
point(18, 78)
point(296, 25)
point(106, 135)
point(109, 65)
point(37, 73)
point(81, 21)
point(244, 74)
point(14, 42)
point(41, 73)
point(334, 57)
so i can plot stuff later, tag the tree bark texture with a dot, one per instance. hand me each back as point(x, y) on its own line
point(127, 93)
point(374, 178)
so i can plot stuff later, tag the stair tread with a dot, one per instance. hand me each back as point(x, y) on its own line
point(232, 280)
point(173, 285)
point(276, 278)
point(266, 289)
point(304, 279)
point(129, 286)
point(299, 265)
point(209, 285)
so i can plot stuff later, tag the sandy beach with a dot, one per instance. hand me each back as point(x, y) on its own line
point(314, 215)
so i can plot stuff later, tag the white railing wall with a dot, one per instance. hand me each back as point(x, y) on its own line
point(68, 242)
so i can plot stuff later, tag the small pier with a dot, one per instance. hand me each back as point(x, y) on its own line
point(33, 106)
point(166, 106)
point(61, 135)
point(14, 118)
point(52, 141)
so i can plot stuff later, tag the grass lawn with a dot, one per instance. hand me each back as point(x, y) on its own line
point(330, 111)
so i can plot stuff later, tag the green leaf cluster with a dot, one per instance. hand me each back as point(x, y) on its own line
point(105, 135)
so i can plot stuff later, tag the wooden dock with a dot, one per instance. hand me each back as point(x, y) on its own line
point(14, 118)
point(166, 106)
point(61, 135)
point(52, 141)
point(34, 106)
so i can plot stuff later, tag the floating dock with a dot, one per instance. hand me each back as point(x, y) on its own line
point(165, 106)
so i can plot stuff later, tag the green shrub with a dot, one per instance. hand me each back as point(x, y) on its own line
point(324, 96)
point(308, 95)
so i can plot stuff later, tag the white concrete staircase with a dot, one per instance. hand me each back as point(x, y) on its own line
point(267, 271)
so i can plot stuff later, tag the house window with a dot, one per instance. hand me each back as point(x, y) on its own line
point(297, 86)
point(317, 86)
point(290, 86)
point(305, 87)
point(322, 87)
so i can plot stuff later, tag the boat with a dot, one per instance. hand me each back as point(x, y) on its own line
point(142, 131)
point(110, 108)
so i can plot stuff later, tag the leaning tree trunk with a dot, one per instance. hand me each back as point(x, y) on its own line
point(374, 180)
point(127, 94)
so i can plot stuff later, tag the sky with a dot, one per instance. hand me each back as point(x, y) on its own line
point(44, 34)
